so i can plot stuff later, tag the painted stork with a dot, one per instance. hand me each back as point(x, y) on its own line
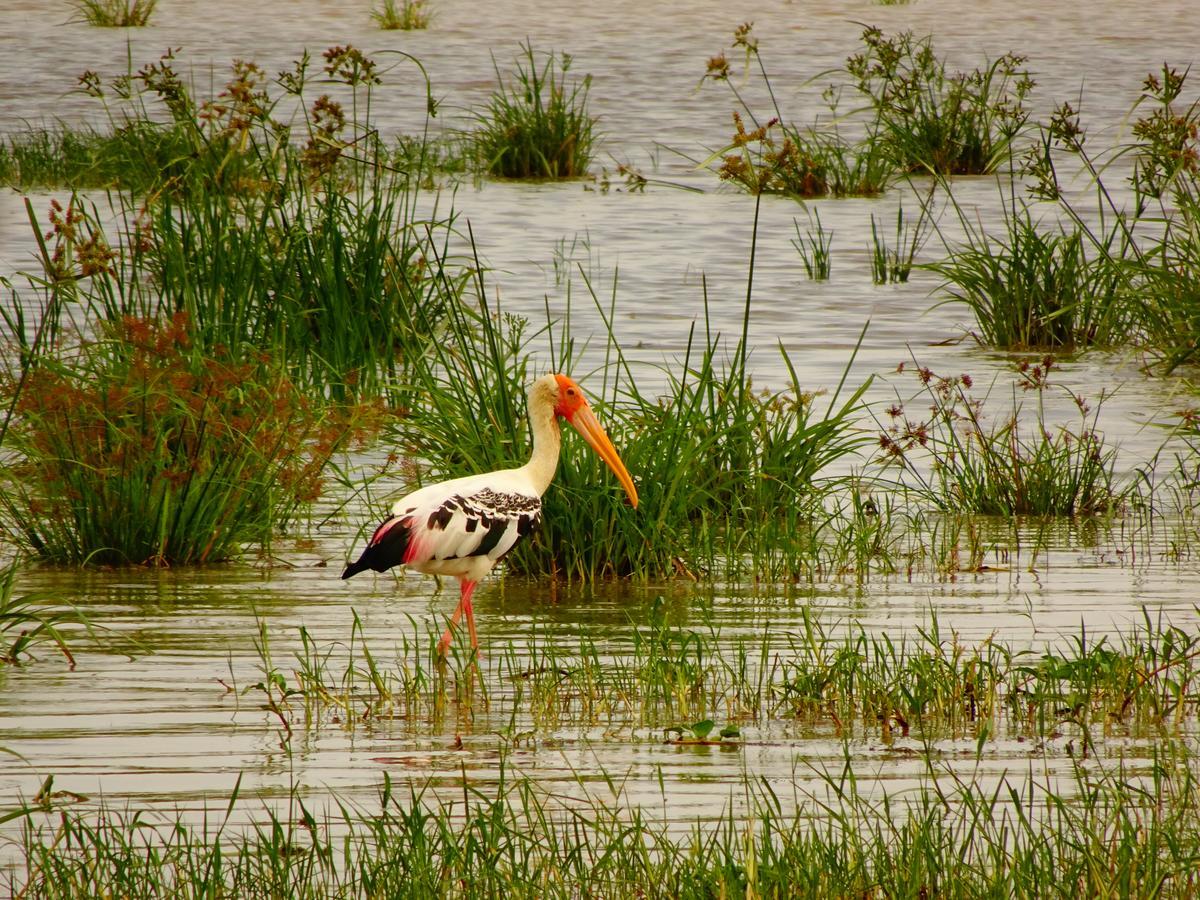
point(464, 526)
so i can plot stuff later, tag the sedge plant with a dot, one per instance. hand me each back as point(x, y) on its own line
point(536, 124)
point(957, 460)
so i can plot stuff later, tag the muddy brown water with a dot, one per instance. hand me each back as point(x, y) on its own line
point(161, 729)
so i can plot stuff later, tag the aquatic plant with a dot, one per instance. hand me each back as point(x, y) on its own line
point(720, 467)
point(28, 622)
point(926, 119)
point(410, 15)
point(536, 125)
point(317, 254)
point(1039, 287)
point(958, 462)
point(1126, 826)
point(1141, 262)
point(894, 264)
point(82, 157)
point(115, 13)
point(814, 248)
point(778, 157)
point(139, 448)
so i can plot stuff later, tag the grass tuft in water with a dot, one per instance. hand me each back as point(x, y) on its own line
point(926, 119)
point(1039, 287)
point(958, 461)
point(814, 248)
point(406, 15)
point(115, 13)
point(139, 448)
point(777, 157)
point(536, 124)
point(893, 265)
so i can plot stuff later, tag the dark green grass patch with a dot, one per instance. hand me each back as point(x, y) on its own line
point(115, 13)
point(536, 124)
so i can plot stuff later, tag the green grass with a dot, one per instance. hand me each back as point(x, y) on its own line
point(814, 248)
point(1125, 827)
point(670, 670)
point(728, 475)
point(1124, 272)
point(928, 120)
point(916, 118)
point(1109, 809)
point(1039, 286)
point(536, 124)
point(780, 157)
point(140, 449)
point(408, 15)
point(311, 251)
point(957, 460)
point(134, 155)
point(892, 265)
point(115, 13)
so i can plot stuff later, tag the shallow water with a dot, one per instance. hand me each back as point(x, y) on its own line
point(163, 729)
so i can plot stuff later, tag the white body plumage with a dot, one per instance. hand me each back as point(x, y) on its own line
point(464, 526)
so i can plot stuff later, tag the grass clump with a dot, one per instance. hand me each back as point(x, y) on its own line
point(1123, 273)
point(312, 250)
point(83, 157)
point(727, 475)
point(409, 15)
point(1037, 287)
point(958, 462)
point(537, 126)
point(777, 157)
point(814, 248)
point(140, 449)
point(894, 264)
point(929, 120)
point(917, 118)
point(115, 13)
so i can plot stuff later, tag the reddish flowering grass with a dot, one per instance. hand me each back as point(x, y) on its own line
point(140, 449)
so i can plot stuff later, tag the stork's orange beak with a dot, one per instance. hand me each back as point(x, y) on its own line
point(585, 422)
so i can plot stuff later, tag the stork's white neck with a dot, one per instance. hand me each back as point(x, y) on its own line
point(547, 442)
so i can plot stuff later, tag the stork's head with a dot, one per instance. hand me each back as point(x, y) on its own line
point(561, 394)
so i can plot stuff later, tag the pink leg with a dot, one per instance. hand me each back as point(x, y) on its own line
point(464, 605)
point(468, 588)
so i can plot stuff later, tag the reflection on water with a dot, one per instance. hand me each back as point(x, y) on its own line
point(174, 723)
